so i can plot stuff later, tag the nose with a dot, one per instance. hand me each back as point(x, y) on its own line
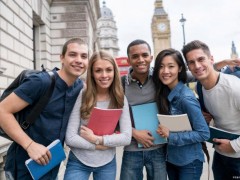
point(79, 59)
point(197, 64)
point(165, 69)
point(141, 59)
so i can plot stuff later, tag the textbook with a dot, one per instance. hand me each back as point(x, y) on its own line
point(145, 118)
point(37, 171)
point(221, 134)
point(175, 123)
point(104, 121)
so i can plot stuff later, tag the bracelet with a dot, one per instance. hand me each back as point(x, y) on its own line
point(29, 145)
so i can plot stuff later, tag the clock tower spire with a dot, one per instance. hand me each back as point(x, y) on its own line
point(161, 32)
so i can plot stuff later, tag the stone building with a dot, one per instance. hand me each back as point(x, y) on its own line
point(107, 31)
point(32, 33)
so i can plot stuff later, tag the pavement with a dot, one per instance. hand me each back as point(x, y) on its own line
point(206, 167)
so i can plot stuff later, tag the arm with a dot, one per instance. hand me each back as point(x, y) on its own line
point(226, 145)
point(230, 62)
point(200, 132)
point(9, 124)
point(73, 139)
point(124, 137)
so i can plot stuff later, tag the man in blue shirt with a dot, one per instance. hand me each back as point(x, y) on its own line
point(52, 122)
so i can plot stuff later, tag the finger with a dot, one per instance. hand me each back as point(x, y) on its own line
point(49, 155)
point(42, 161)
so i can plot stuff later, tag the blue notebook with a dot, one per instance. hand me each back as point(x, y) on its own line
point(221, 134)
point(145, 118)
point(37, 171)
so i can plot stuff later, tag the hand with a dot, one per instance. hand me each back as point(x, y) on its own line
point(144, 137)
point(163, 131)
point(233, 62)
point(223, 145)
point(208, 117)
point(39, 153)
point(87, 134)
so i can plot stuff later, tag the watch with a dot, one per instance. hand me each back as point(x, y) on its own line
point(162, 27)
point(97, 142)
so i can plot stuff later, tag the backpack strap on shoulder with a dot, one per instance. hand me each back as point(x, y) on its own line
point(123, 79)
point(42, 102)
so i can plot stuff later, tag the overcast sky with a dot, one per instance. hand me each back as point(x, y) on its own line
point(215, 22)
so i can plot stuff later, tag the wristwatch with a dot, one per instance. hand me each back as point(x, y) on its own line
point(97, 142)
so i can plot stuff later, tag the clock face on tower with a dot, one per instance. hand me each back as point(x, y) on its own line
point(162, 27)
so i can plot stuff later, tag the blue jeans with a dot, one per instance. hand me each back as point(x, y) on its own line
point(191, 171)
point(134, 161)
point(225, 167)
point(77, 170)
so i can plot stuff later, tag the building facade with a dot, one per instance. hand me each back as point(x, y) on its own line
point(107, 31)
point(161, 31)
point(32, 33)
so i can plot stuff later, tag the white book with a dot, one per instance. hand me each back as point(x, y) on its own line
point(175, 123)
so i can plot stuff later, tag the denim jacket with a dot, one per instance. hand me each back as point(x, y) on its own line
point(185, 147)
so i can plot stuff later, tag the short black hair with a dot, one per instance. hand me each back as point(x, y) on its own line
point(137, 42)
point(196, 44)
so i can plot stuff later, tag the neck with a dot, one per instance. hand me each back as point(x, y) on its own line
point(211, 81)
point(103, 96)
point(69, 80)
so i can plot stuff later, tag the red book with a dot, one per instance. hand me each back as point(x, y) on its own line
point(104, 121)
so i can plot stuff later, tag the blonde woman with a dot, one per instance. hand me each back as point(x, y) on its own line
point(91, 153)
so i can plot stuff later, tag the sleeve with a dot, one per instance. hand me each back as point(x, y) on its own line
point(125, 135)
point(236, 144)
point(200, 131)
point(73, 139)
point(32, 87)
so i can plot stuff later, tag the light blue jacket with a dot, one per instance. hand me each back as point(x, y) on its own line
point(185, 147)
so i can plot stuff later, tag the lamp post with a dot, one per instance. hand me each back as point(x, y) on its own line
point(182, 21)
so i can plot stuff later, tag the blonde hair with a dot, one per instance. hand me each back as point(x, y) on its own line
point(116, 93)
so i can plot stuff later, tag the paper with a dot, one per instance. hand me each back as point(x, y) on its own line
point(221, 134)
point(104, 121)
point(145, 118)
point(175, 123)
point(37, 171)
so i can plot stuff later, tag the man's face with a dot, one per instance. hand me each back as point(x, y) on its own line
point(200, 64)
point(75, 60)
point(139, 58)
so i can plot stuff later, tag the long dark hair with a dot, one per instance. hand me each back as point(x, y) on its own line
point(162, 91)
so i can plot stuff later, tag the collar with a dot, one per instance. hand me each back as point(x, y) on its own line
point(130, 79)
point(175, 91)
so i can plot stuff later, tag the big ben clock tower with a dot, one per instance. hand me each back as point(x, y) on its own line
point(161, 33)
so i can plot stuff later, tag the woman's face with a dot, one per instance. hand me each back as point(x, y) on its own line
point(168, 72)
point(103, 74)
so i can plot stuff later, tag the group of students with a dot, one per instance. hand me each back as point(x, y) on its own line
point(67, 113)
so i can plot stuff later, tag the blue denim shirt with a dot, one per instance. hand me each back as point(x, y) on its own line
point(185, 147)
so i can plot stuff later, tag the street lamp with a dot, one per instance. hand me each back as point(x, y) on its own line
point(182, 21)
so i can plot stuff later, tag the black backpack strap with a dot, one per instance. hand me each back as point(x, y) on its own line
point(123, 79)
point(200, 96)
point(42, 102)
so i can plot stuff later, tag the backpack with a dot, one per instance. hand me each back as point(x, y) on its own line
point(37, 108)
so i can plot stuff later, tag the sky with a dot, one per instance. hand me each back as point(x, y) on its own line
point(215, 22)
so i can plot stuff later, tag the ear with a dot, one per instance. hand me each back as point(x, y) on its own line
point(211, 59)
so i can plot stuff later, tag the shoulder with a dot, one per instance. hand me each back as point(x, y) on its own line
point(33, 86)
